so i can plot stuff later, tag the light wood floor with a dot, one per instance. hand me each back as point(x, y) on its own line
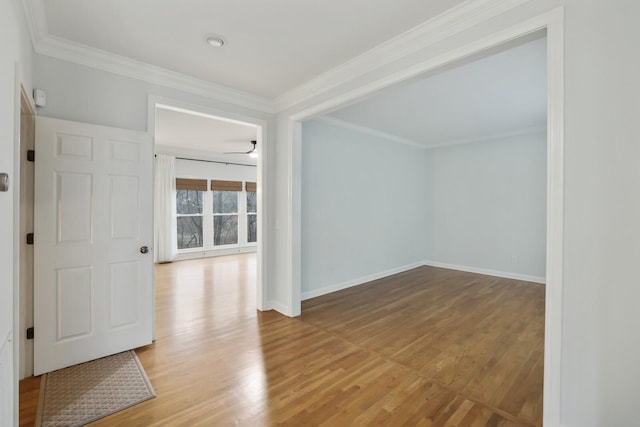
point(428, 347)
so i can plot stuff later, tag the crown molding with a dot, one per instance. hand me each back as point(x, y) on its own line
point(447, 24)
point(427, 145)
point(488, 137)
point(59, 48)
point(106, 61)
point(450, 22)
point(368, 131)
point(36, 18)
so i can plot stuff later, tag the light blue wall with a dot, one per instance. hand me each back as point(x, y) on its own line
point(371, 206)
point(363, 205)
point(489, 205)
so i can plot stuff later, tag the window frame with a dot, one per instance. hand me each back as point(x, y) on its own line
point(250, 214)
point(201, 215)
point(209, 248)
point(220, 214)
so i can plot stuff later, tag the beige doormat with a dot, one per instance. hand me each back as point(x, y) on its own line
point(83, 393)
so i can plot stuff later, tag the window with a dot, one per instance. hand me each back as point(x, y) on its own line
point(225, 217)
point(189, 206)
point(222, 214)
point(225, 211)
point(252, 210)
point(189, 209)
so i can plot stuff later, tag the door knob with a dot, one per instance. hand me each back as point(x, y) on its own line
point(144, 249)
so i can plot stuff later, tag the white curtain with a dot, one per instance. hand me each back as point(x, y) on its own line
point(165, 209)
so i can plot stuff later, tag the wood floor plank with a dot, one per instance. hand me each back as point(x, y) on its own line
point(427, 347)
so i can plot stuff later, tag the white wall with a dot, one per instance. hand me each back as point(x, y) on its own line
point(489, 205)
point(600, 376)
point(16, 51)
point(363, 207)
point(209, 170)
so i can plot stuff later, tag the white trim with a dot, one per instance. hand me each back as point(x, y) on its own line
point(368, 131)
point(427, 146)
point(275, 305)
point(553, 22)
point(34, 12)
point(294, 225)
point(24, 305)
point(56, 47)
point(261, 177)
point(359, 281)
point(434, 63)
point(209, 253)
point(205, 115)
point(106, 61)
point(486, 272)
point(450, 22)
point(490, 137)
point(14, 187)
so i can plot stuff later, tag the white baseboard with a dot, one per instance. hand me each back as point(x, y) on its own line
point(275, 305)
point(215, 252)
point(505, 274)
point(359, 281)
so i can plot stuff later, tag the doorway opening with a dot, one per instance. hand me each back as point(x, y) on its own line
point(552, 24)
point(450, 178)
point(219, 174)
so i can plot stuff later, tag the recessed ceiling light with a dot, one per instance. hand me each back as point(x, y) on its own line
point(214, 40)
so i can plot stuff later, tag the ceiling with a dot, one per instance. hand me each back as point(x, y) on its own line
point(275, 48)
point(272, 46)
point(196, 135)
point(497, 94)
point(500, 93)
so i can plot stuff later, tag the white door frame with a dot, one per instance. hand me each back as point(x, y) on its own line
point(25, 286)
point(553, 23)
point(261, 125)
point(20, 95)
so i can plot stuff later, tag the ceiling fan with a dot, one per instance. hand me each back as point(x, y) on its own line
point(252, 152)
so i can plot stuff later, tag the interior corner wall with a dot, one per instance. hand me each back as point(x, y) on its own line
point(489, 206)
point(363, 207)
point(16, 49)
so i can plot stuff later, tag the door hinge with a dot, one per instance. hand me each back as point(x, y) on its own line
point(29, 238)
point(30, 333)
point(31, 155)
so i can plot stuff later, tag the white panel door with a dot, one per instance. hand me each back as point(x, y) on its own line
point(93, 283)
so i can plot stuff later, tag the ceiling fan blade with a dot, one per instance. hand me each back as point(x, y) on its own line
point(245, 152)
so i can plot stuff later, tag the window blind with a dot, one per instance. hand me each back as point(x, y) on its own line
point(250, 186)
point(226, 185)
point(191, 184)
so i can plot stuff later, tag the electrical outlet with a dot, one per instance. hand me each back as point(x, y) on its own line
point(514, 259)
